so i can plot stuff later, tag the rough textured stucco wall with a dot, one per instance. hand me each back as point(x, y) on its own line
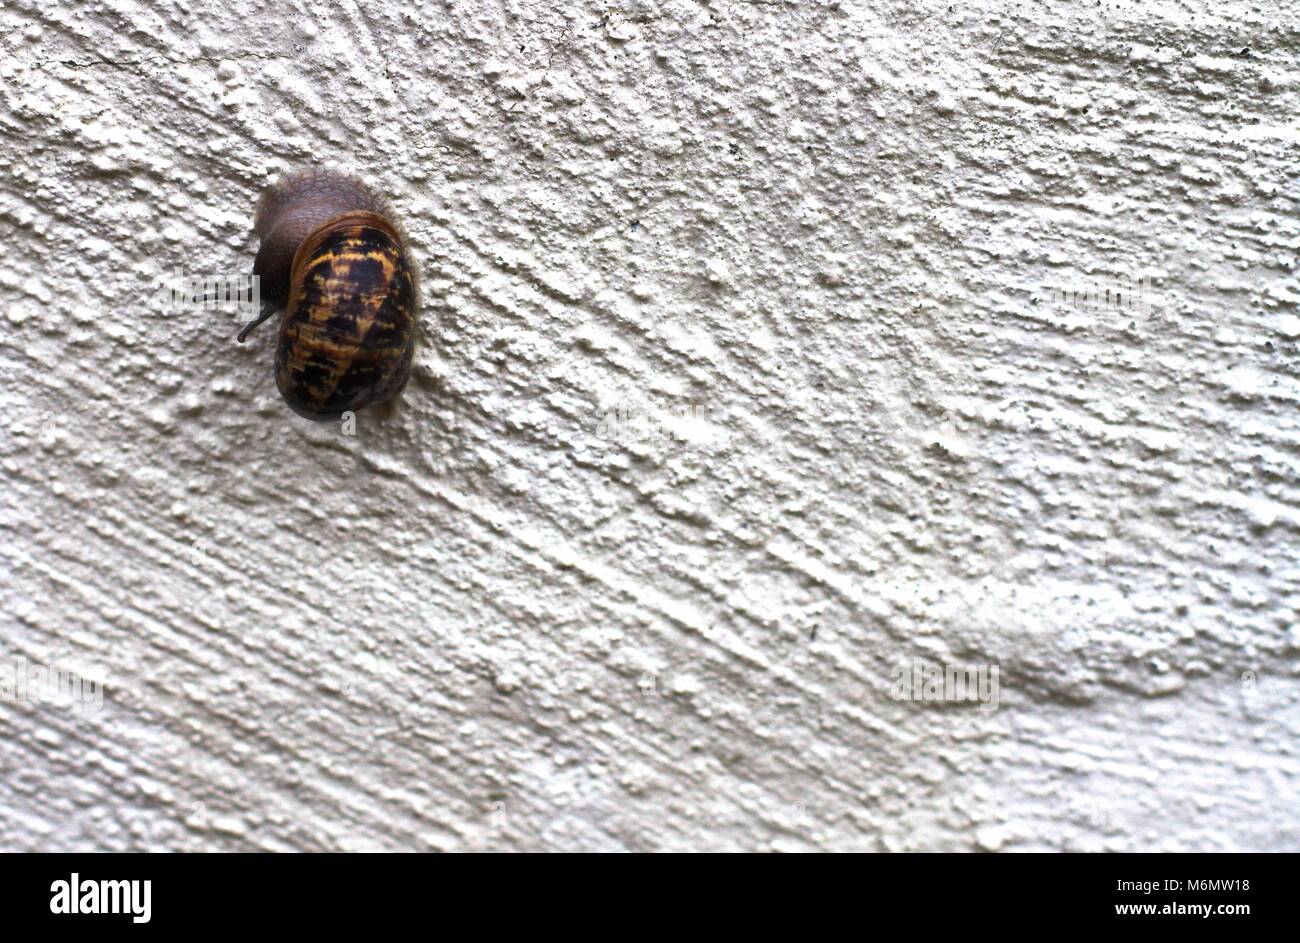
point(530, 607)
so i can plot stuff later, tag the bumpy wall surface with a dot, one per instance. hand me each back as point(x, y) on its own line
point(774, 353)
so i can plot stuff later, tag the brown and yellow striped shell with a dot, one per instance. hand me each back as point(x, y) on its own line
point(349, 294)
point(348, 333)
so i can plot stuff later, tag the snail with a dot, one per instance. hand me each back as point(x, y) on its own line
point(333, 260)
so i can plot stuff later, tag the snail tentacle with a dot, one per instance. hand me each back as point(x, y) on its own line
point(268, 309)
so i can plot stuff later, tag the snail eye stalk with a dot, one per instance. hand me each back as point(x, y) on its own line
point(268, 309)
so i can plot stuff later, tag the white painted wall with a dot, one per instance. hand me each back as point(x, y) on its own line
point(503, 615)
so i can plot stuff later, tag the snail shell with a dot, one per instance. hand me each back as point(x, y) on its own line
point(333, 260)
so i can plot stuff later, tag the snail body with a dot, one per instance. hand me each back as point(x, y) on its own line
point(333, 260)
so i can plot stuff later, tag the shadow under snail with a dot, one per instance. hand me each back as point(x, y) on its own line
point(332, 259)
